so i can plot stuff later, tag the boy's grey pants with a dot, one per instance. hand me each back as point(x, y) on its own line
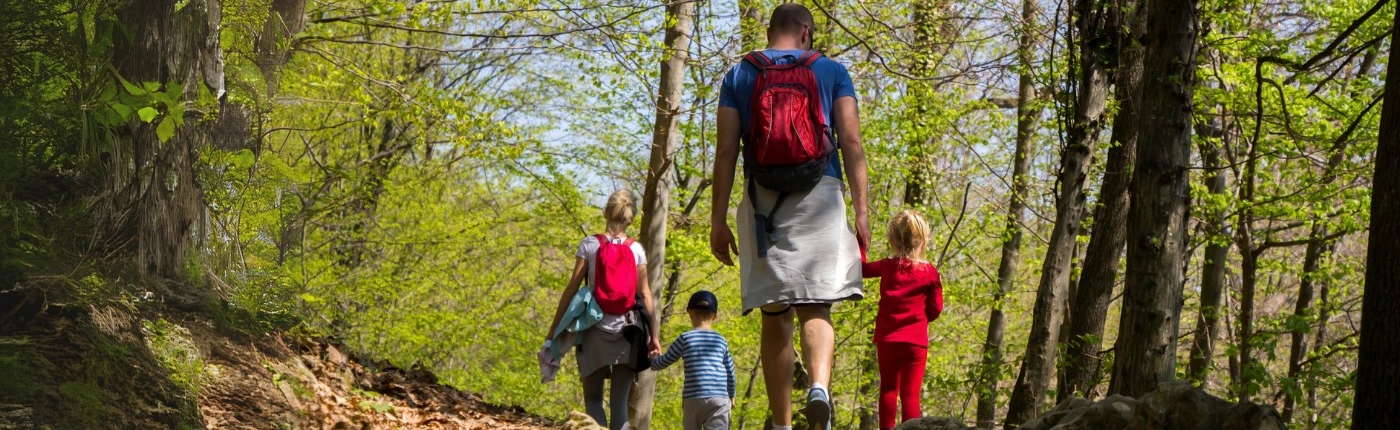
point(709, 413)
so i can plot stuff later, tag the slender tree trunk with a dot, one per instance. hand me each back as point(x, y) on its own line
point(656, 199)
point(1249, 282)
point(1324, 314)
point(155, 205)
point(1038, 364)
point(1213, 272)
point(1026, 119)
point(751, 25)
point(1249, 272)
point(1156, 244)
point(1377, 377)
point(1100, 272)
point(920, 137)
point(869, 392)
point(1302, 312)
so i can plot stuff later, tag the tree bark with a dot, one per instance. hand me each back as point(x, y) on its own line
point(921, 140)
point(1324, 314)
point(1100, 267)
point(153, 199)
point(288, 17)
point(1213, 271)
point(751, 25)
point(656, 198)
point(1377, 377)
point(1026, 118)
point(1038, 364)
point(1302, 311)
point(1146, 347)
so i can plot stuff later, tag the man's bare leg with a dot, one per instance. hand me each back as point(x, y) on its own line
point(818, 349)
point(777, 355)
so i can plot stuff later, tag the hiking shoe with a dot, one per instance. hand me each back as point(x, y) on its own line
point(818, 409)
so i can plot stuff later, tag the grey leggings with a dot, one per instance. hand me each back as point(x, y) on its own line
point(621, 392)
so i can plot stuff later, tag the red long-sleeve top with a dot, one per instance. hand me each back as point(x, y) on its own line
point(911, 295)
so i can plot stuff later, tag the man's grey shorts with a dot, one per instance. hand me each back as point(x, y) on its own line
point(708, 413)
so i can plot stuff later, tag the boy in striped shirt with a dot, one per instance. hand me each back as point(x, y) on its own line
point(709, 369)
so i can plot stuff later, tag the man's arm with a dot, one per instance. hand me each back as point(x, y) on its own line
point(726, 158)
point(847, 122)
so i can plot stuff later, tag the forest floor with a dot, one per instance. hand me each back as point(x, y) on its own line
point(124, 363)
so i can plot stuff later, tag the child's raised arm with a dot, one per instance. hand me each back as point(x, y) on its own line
point(873, 269)
point(673, 353)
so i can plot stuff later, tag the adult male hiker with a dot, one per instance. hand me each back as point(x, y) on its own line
point(797, 254)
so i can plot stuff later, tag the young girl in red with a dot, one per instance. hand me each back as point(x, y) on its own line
point(911, 296)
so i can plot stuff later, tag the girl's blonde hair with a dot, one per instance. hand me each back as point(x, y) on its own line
point(908, 234)
point(621, 208)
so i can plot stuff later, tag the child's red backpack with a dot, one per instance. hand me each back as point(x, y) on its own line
point(615, 276)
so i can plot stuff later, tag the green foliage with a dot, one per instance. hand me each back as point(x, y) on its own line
point(84, 403)
point(175, 350)
point(23, 369)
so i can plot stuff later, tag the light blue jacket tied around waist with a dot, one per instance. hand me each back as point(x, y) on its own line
point(583, 312)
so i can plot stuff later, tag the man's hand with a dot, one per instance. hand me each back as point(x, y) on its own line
point(722, 243)
point(863, 231)
point(655, 348)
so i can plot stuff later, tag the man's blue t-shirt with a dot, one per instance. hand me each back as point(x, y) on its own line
point(737, 90)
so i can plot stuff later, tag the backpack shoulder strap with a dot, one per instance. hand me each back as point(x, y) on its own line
point(628, 243)
point(602, 239)
point(809, 58)
point(757, 59)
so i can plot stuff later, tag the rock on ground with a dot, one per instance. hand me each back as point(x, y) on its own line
point(1175, 406)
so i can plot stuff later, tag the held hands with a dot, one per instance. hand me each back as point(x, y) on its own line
point(655, 348)
point(722, 244)
point(862, 231)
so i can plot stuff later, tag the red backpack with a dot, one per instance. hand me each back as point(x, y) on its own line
point(615, 276)
point(789, 144)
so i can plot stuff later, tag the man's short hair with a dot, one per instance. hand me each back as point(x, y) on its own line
point(790, 18)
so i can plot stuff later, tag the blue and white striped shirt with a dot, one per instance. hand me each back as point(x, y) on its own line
point(709, 369)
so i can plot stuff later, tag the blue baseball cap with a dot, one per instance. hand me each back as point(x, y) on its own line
point(703, 300)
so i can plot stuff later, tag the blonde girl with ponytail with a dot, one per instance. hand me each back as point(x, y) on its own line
point(911, 297)
point(604, 353)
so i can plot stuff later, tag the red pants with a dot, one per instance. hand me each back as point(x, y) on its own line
point(901, 378)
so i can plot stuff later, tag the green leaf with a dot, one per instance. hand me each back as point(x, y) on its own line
point(151, 86)
point(147, 113)
point(123, 110)
point(131, 88)
point(166, 129)
point(109, 91)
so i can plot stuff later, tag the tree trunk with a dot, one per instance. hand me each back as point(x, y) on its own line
point(751, 25)
point(1026, 119)
point(920, 137)
point(1146, 347)
point(656, 198)
point(1213, 272)
point(155, 203)
point(1302, 312)
point(1377, 377)
point(287, 19)
point(1324, 314)
point(1038, 364)
point(1100, 269)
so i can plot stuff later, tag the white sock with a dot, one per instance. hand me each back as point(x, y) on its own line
point(776, 427)
point(818, 385)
